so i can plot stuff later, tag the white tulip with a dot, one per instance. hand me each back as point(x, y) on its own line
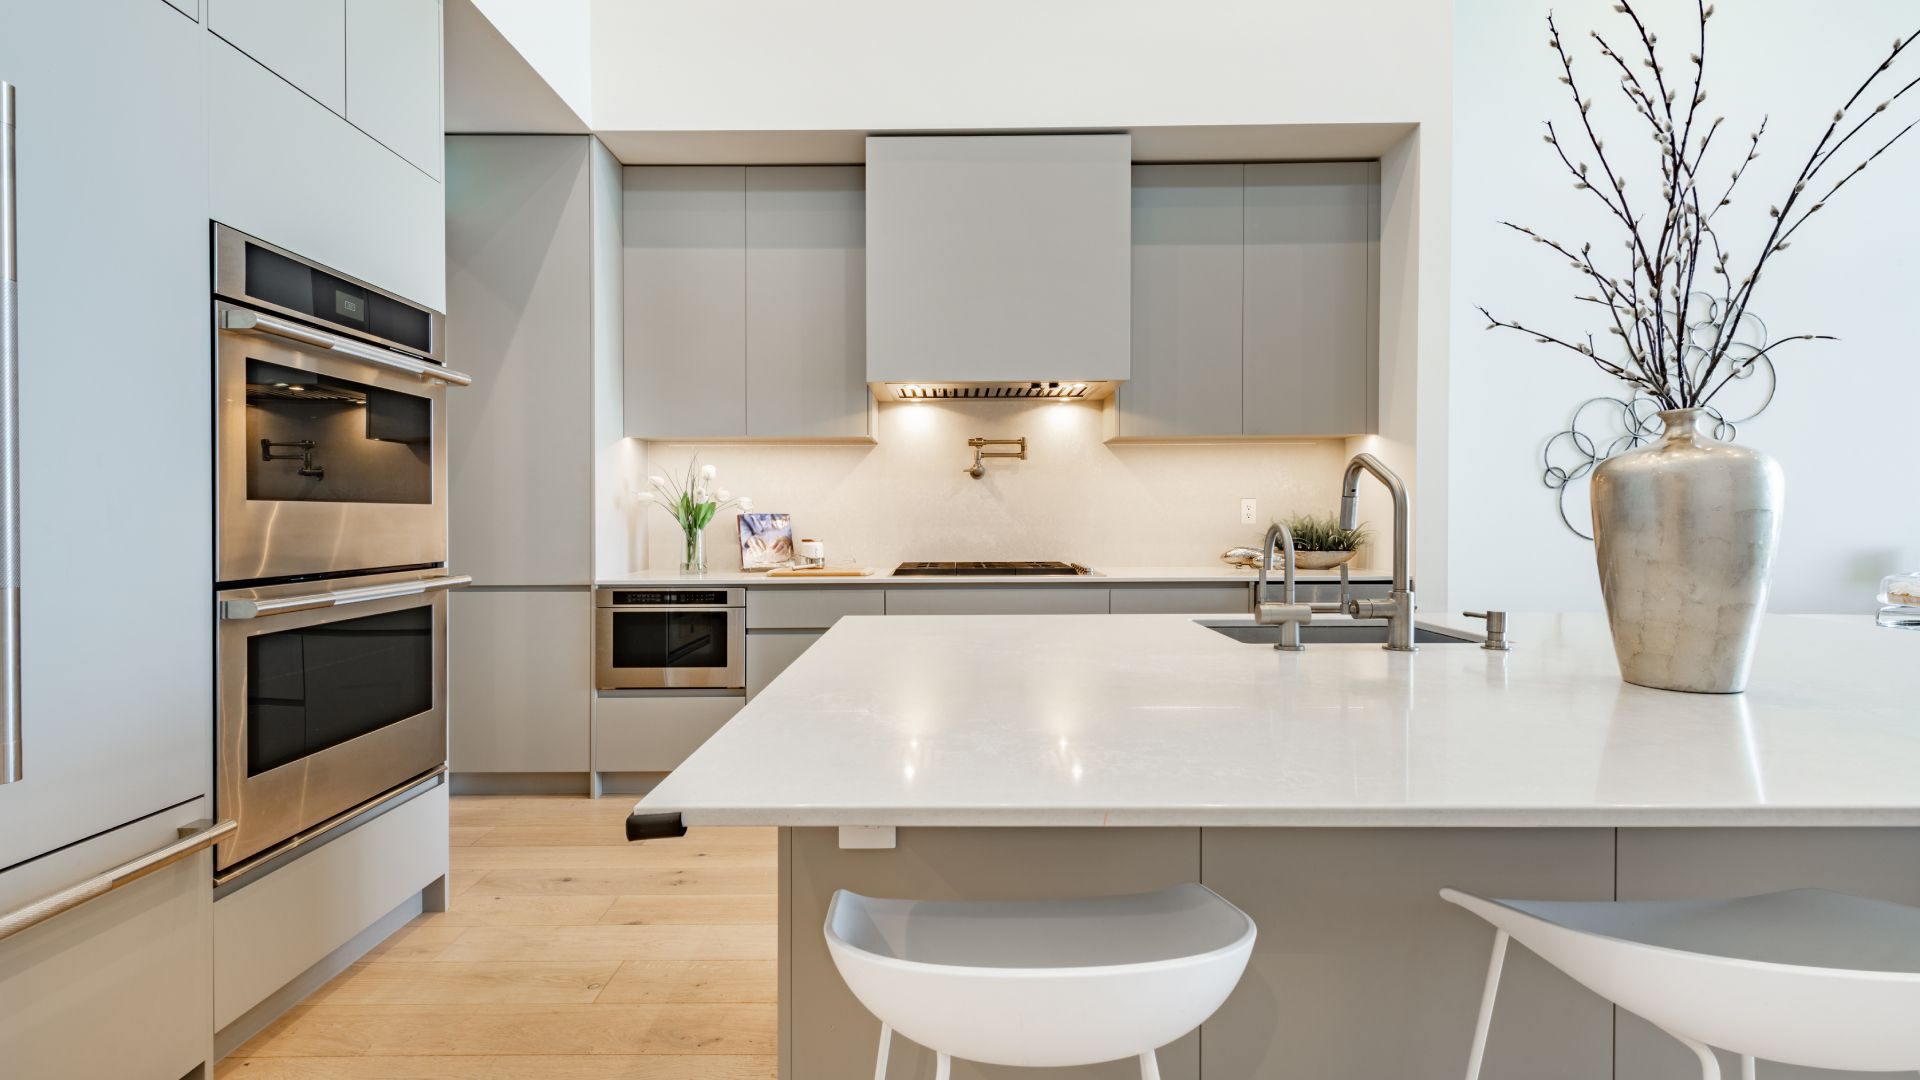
point(708, 472)
point(700, 494)
point(643, 496)
point(746, 503)
point(723, 495)
point(657, 481)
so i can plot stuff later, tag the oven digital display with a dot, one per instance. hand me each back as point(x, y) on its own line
point(714, 597)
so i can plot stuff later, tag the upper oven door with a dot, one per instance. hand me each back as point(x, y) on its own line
point(330, 453)
point(327, 698)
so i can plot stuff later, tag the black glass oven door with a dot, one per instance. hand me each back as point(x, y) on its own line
point(315, 687)
point(663, 640)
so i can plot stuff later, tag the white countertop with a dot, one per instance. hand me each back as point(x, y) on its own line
point(1157, 720)
point(1102, 575)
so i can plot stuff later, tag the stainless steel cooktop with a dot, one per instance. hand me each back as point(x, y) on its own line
point(990, 569)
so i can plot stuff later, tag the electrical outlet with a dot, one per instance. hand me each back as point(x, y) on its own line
point(1248, 511)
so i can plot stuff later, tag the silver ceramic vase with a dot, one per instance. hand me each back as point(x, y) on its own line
point(1685, 529)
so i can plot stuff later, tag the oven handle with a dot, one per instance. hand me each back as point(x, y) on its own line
point(10, 726)
point(193, 840)
point(254, 322)
point(286, 605)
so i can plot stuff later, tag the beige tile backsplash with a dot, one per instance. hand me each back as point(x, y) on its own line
point(1074, 498)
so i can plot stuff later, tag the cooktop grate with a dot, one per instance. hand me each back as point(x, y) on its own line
point(988, 569)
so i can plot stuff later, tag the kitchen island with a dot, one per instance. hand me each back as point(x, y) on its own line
point(1329, 793)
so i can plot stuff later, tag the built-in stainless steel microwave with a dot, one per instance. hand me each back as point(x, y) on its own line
point(329, 421)
point(674, 637)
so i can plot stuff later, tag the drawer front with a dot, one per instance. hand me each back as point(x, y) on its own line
point(769, 653)
point(655, 732)
point(1015, 600)
point(778, 607)
point(273, 929)
point(131, 965)
point(1327, 592)
point(1182, 600)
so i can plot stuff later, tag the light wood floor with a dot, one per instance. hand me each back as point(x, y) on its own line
point(566, 952)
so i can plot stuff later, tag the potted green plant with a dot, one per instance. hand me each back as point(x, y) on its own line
point(692, 503)
point(1319, 543)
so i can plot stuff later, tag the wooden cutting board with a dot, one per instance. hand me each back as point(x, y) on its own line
point(821, 571)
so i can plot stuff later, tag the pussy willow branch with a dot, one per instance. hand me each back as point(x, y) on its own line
point(1649, 306)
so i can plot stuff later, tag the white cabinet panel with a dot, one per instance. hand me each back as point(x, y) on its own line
point(136, 957)
point(519, 452)
point(1181, 600)
point(686, 320)
point(302, 41)
point(1009, 600)
point(393, 76)
point(189, 8)
point(794, 608)
point(806, 303)
point(111, 733)
point(350, 203)
point(655, 731)
point(270, 931)
point(769, 652)
point(520, 680)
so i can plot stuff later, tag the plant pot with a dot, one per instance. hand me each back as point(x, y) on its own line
point(1684, 532)
point(694, 561)
point(1321, 560)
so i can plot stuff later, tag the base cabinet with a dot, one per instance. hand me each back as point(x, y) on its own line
point(120, 986)
point(655, 730)
point(519, 673)
point(770, 652)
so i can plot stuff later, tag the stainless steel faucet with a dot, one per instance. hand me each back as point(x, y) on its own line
point(1398, 608)
point(1289, 615)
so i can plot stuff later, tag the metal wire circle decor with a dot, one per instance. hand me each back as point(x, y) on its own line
point(1601, 427)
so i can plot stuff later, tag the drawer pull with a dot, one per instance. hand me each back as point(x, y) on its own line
point(197, 838)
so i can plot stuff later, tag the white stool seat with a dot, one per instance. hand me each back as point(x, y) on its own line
point(1806, 977)
point(1045, 982)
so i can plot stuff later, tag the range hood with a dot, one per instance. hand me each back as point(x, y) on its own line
point(998, 266)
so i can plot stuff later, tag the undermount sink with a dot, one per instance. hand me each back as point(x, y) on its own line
point(1335, 632)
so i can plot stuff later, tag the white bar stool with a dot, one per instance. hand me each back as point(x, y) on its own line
point(1807, 977)
point(1040, 983)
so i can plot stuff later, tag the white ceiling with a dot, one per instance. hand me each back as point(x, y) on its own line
point(491, 88)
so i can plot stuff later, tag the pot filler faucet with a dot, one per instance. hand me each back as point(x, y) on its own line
point(1290, 615)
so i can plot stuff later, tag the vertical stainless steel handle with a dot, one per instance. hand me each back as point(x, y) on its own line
point(10, 736)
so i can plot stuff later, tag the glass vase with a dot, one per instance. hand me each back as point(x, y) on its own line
point(695, 559)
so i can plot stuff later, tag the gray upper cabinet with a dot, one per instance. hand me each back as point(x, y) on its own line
point(806, 304)
point(746, 302)
point(302, 41)
point(686, 292)
point(1312, 239)
point(393, 77)
point(1187, 341)
point(519, 319)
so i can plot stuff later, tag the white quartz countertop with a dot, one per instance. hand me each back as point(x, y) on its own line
point(1142, 720)
point(1218, 573)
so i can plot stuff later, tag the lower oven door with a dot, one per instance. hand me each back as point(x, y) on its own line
point(327, 699)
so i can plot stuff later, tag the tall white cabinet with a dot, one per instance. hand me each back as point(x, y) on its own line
point(116, 550)
point(534, 306)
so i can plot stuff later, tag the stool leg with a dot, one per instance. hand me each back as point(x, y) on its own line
point(943, 1067)
point(1149, 1066)
point(1709, 1064)
point(886, 1045)
point(1746, 1067)
point(1487, 995)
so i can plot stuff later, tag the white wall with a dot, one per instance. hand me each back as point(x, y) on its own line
point(556, 39)
point(1074, 498)
point(1836, 427)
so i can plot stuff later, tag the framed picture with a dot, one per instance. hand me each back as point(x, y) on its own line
point(766, 541)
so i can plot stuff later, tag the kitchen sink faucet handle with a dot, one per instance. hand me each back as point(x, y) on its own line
point(1497, 640)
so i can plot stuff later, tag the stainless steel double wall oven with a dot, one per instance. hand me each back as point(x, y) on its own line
point(330, 548)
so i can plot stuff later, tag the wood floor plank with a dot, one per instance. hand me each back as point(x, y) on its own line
point(498, 944)
point(704, 881)
point(477, 907)
point(692, 910)
point(666, 857)
point(519, 1067)
point(439, 1030)
point(687, 981)
point(566, 953)
point(444, 983)
point(418, 940)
